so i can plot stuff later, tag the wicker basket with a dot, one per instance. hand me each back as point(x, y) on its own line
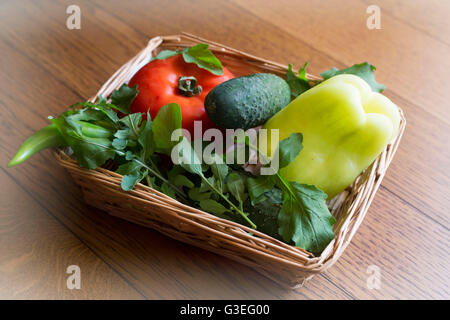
point(288, 265)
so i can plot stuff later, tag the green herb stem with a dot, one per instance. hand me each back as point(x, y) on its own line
point(136, 133)
point(230, 203)
point(178, 191)
point(147, 178)
point(154, 166)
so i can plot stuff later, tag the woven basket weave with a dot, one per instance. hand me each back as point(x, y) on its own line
point(288, 265)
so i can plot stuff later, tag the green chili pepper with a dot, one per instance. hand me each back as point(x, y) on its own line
point(47, 137)
point(92, 130)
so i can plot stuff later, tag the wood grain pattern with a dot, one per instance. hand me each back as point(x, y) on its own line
point(426, 16)
point(35, 251)
point(45, 67)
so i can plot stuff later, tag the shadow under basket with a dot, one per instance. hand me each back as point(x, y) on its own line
point(286, 264)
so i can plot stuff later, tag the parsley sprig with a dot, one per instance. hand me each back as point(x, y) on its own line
point(299, 83)
point(198, 54)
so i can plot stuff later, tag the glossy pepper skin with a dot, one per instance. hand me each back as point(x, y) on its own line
point(345, 126)
point(157, 84)
point(47, 137)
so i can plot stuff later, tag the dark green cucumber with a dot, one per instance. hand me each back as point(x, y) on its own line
point(248, 101)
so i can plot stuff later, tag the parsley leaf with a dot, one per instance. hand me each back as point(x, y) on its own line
point(123, 97)
point(258, 186)
point(203, 57)
point(130, 180)
point(197, 195)
point(304, 217)
point(132, 174)
point(182, 181)
point(119, 144)
point(167, 190)
point(298, 84)
point(164, 54)
point(264, 211)
point(132, 122)
point(364, 70)
point(289, 148)
point(90, 152)
point(166, 121)
point(198, 54)
point(236, 186)
point(219, 170)
point(184, 155)
point(145, 138)
point(212, 206)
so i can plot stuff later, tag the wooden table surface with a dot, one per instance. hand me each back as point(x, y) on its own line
point(45, 226)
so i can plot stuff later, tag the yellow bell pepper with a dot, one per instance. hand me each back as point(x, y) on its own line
point(345, 126)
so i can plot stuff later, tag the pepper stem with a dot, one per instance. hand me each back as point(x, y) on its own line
point(188, 86)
